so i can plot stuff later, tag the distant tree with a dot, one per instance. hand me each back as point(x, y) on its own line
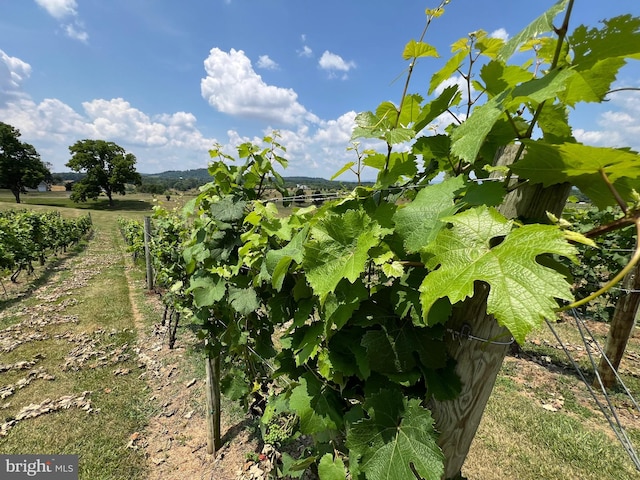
point(107, 166)
point(20, 164)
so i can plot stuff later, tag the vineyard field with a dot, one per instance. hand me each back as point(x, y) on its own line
point(147, 402)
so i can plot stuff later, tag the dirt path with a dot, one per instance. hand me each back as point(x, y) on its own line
point(175, 440)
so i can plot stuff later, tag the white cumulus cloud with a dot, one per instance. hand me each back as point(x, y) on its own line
point(332, 62)
point(618, 127)
point(66, 11)
point(59, 8)
point(13, 72)
point(305, 51)
point(233, 87)
point(267, 63)
point(500, 33)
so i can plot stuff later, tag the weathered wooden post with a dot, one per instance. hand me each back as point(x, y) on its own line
point(212, 369)
point(147, 252)
point(478, 343)
point(622, 323)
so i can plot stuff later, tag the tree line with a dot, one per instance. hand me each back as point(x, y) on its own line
point(106, 167)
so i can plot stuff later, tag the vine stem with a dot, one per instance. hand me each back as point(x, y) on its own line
point(614, 192)
point(408, 80)
point(562, 33)
point(632, 263)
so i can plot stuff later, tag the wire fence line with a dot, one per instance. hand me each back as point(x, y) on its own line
point(609, 410)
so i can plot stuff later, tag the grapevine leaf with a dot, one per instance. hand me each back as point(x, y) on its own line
point(487, 193)
point(542, 24)
point(340, 305)
point(306, 341)
point(583, 166)
point(554, 123)
point(468, 137)
point(418, 222)
point(331, 469)
point(278, 261)
point(399, 165)
point(446, 72)
point(443, 383)
point(206, 291)
point(619, 37)
point(398, 433)
point(398, 135)
point(339, 249)
point(228, 209)
point(387, 111)
point(415, 49)
point(316, 406)
point(450, 96)
point(395, 350)
point(410, 110)
point(592, 85)
point(347, 355)
point(522, 291)
point(234, 384)
point(243, 300)
point(344, 169)
point(498, 77)
point(540, 89)
point(433, 147)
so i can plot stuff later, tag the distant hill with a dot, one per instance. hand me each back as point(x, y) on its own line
point(187, 179)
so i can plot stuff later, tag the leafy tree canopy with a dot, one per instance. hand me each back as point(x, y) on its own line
point(107, 166)
point(20, 164)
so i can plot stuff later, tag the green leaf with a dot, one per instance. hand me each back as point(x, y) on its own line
point(522, 291)
point(340, 305)
point(228, 209)
point(331, 469)
point(619, 37)
point(243, 300)
point(396, 349)
point(418, 222)
point(316, 406)
point(395, 136)
point(398, 433)
point(344, 169)
point(234, 384)
point(542, 24)
point(583, 166)
point(410, 110)
point(452, 65)
point(415, 49)
point(498, 77)
point(339, 249)
point(449, 97)
point(278, 261)
point(541, 89)
point(468, 138)
point(206, 291)
point(399, 165)
point(592, 85)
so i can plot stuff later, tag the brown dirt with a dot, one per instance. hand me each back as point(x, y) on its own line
point(175, 440)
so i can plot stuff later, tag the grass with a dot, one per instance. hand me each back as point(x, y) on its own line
point(520, 440)
point(94, 278)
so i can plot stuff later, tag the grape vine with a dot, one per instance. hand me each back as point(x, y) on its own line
point(28, 236)
point(360, 291)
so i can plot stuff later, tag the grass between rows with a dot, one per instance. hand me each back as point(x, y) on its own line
point(100, 302)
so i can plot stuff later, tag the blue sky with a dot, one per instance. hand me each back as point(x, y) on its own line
point(166, 79)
